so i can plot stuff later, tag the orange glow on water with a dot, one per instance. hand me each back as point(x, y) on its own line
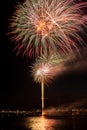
point(41, 123)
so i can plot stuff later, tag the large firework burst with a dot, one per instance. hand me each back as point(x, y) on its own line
point(48, 26)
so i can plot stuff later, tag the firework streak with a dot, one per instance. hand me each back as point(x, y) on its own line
point(44, 70)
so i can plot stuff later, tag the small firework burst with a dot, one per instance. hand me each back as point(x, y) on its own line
point(46, 68)
point(48, 26)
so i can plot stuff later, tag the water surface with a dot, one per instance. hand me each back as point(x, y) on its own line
point(42, 123)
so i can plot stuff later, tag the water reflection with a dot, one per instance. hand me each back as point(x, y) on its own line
point(42, 123)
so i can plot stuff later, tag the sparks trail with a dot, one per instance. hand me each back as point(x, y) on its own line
point(44, 70)
point(48, 26)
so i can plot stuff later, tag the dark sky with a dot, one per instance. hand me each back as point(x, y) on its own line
point(17, 88)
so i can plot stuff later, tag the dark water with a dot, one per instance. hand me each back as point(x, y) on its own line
point(42, 123)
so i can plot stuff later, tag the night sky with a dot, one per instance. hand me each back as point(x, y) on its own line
point(17, 88)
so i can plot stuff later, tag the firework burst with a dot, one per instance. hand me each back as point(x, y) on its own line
point(48, 26)
point(46, 68)
point(44, 71)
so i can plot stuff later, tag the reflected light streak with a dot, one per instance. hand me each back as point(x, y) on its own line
point(42, 123)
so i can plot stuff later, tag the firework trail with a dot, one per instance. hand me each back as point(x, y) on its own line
point(44, 71)
point(48, 26)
